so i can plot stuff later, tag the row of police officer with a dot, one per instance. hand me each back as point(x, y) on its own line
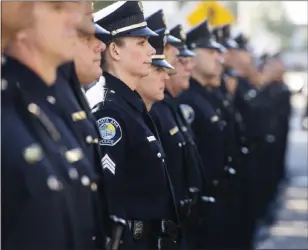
point(174, 157)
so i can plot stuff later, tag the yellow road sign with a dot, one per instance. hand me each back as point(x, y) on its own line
point(214, 11)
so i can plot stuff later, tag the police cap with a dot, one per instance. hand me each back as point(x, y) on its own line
point(200, 37)
point(124, 18)
point(179, 33)
point(101, 33)
point(225, 37)
point(158, 43)
point(157, 21)
point(242, 42)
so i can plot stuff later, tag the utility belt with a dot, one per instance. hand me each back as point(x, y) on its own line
point(161, 234)
point(194, 209)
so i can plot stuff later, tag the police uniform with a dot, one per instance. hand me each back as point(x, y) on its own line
point(50, 177)
point(208, 126)
point(68, 96)
point(137, 181)
point(185, 176)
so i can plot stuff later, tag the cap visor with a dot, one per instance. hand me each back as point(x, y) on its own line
point(101, 33)
point(212, 45)
point(162, 63)
point(173, 40)
point(186, 53)
point(231, 44)
point(146, 32)
point(231, 73)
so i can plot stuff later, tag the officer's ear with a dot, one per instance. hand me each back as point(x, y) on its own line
point(115, 47)
point(114, 51)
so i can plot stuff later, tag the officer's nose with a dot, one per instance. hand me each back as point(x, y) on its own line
point(100, 47)
point(151, 50)
point(166, 76)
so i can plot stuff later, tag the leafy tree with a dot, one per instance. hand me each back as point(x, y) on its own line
point(273, 15)
point(98, 5)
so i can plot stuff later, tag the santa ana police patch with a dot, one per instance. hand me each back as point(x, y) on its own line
point(188, 112)
point(110, 131)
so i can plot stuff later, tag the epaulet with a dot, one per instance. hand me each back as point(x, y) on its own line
point(97, 93)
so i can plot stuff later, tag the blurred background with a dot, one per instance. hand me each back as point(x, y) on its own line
point(273, 26)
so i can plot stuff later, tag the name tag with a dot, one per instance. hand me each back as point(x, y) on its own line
point(151, 138)
point(174, 130)
point(80, 115)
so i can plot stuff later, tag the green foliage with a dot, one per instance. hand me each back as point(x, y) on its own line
point(273, 15)
point(98, 5)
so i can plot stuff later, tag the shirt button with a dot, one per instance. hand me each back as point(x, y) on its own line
point(51, 99)
point(158, 155)
point(54, 184)
point(85, 180)
point(95, 140)
point(180, 144)
point(3, 60)
point(73, 174)
point(93, 187)
point(244, 150)
point(3, 84)
point(89, 139)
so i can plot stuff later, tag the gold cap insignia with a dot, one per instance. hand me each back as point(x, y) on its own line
point(183, 35)
point(140, 5)
point(165, 40)
point(164, 19)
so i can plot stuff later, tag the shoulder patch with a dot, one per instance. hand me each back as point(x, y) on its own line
point(188, 112)
point(110, 131)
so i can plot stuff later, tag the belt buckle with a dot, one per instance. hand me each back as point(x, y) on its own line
point(137, 228)
point(169, 227)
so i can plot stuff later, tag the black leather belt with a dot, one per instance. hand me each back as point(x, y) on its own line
point(159, 228)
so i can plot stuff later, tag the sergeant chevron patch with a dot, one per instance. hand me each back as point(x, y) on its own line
point(107, 163)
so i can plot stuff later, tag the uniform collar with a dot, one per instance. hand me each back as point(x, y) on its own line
point(195, 85)
point(120, 88)
point(25, 78)
point(168, 96)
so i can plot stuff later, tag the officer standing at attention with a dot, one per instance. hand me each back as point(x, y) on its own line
point(69, 97)
point(151, 89)
point(206, 125)
point(137, 181)
point(45, 173)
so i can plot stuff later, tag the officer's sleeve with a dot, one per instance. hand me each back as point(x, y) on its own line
point(113, 149)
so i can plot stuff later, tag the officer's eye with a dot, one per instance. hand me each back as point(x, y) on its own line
point(159, 69)
point(142, 42)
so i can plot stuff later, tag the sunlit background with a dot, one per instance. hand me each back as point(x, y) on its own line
point(272, 26)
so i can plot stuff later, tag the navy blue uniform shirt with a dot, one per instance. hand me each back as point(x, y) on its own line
point(133, 159)
point(47, 179)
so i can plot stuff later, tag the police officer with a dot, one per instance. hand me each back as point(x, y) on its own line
point(277, 97)
point(206, 124)
point(50, 174)
point(151, 88)
point(68, 96)
point(137, 180)
point(235, 138)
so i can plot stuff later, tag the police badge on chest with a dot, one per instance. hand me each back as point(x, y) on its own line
point(110, 131)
